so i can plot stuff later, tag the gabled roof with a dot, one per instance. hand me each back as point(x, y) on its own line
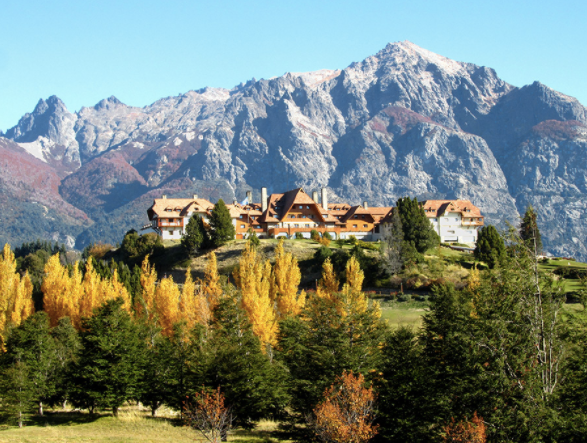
point(376, 214)
point(176, 207)
point(436, 208)
point(280, 204)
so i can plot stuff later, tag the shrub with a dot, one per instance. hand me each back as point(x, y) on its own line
point(404, 297)
point(315, 235)
point(327, 235)
point(322, 254)
point(353, 240)
point(299, 236)
point(325, 241)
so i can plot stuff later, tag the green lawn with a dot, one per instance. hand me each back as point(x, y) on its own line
point(403, 313)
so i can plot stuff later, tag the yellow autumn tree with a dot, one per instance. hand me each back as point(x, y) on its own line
point(16, 302)
point(194, 305)
point(167, 298)
point(70, 295)
point(145, 303)
point(118, 290)
point(253, 278)
point(92, 291)
point(285, 282)
point(328, 284)
point(211, 286)
point(62, 293)
point(352, 291)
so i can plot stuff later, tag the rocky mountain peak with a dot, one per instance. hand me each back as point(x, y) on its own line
point(405, 121)
point(108, 103)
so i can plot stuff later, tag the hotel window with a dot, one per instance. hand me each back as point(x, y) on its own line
point(364, 226)
point(296, 225)
point(242, 226)
point(354, 226)
point(307, 225)
point(292, 216)
point(307, 207)
point(301, 207)
point(171, 232)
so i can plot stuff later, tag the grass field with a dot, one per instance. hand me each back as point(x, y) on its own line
point(131, 425)
point(403, 313)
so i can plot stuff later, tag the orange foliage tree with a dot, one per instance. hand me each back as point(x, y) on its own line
point(285, 282)
point(209, 415)
point(253, 278)
point(346, 414)
point(16, 301)
point(466, 431)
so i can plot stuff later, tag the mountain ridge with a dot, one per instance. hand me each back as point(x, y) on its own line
point(404, 121)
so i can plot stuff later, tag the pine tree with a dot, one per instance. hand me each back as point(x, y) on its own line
point(17, 390)
point(416, 227)
point(253, 386)
point(490, 247)
point(529, 231)
point(32, 344)
point(111, 362)
point(193, 239)
point(286, 279)
point(221, 225)
point(253, 278)
point(391, 250)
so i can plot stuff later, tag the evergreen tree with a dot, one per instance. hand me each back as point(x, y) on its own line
point(391, 249)
point(529, 231)
point(416, 227)
point(17, 390)
point(193, 239)
point(31, 343)
point(67, 348)
point(328, 338)
point(221, 225)
point(402, 388)
point(490, 247)
point(253, 385)
point(110, 365)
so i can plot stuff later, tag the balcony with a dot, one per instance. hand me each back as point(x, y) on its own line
point(176, 224)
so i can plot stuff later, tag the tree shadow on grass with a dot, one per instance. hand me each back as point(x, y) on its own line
point(65, 418)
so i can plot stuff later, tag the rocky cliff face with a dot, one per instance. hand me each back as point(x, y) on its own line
point(402, 122)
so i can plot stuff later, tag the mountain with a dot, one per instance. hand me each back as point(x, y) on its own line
point(405, 121)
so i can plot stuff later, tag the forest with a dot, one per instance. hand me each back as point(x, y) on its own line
point(496, 359)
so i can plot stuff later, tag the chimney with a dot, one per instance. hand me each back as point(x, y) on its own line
point(315, 196)
point(164, 196)
point(263, 199)
point(365, 206)
point(324, 199)
point(250, 197)
point(234, 202)
point(195, 196)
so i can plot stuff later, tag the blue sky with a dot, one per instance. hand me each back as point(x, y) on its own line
point(139, 51)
